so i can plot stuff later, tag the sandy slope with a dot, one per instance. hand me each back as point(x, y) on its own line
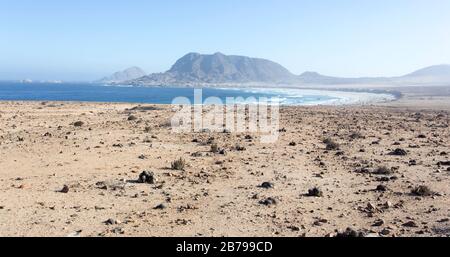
point(218, 195)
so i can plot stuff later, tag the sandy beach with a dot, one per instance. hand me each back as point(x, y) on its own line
point(72, 169)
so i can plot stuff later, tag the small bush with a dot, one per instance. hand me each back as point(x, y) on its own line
point(179, 164)
point(422, 191)
point(382, 170)
point(331, 144)
point(215, 148)
point(356, 135)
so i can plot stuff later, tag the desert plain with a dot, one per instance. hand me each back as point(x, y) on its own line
point(73, 169)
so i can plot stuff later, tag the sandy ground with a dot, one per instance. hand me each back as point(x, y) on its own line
point(218, 194)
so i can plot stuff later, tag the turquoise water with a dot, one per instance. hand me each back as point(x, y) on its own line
point(160, 95)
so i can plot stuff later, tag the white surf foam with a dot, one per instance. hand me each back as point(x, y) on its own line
point(306, 97)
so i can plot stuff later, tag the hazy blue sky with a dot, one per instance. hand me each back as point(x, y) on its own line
point(84, 39)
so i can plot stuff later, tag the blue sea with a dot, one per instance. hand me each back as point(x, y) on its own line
point(12, 91)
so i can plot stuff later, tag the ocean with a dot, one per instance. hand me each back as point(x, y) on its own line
point(12, 91)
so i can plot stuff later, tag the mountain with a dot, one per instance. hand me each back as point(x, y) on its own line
point(432, 71)
point(437, 74)
point(433, 75)
point(219, 68)
point(216, 69)
point(125, 75)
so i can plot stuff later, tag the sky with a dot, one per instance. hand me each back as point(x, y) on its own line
point(86, 40)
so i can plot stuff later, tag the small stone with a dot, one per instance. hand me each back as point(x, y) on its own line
point(78, 124)
point(268, 201)
point(315, 192)
point(294, 228)
point(267, 185)
point(444, 163)
point(371, 207)
point(410, 224)
point(387, 205)
point(378, 223)
point(112, 221)
point(147, 177)
point(381, 188)
point(160, 207)
point(398, 152)
point(132, 117)
point(385, 232)
point(349, 232)
point(65, 189)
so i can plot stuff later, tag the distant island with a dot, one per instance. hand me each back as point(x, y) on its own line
point(125, 75)
point(218, 69)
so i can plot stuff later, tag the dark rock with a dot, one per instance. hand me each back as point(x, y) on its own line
point(383, 179)
point(292, 144)
point(444, 163)
point(398, 152)
point(240, 148)
point(385, 232)
point(378, 223)
point(132, 118)
point(349, 232)
point(78, 124)
point(315, 192)
point(112, 222)
point(65, 189)
point(268, 201)
point(412, 163)
point(160, 207)
point(267, 185)
point(294, 228)
point(147, 177)
point(381, 188)
point(410, 224)
point(340, 153)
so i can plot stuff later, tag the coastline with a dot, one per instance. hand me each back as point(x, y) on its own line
point(432, 98)
point(288, 96)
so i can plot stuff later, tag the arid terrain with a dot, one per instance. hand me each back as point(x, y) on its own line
point(72, 169)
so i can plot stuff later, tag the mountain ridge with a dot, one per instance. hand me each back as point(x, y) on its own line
point(218, 69)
